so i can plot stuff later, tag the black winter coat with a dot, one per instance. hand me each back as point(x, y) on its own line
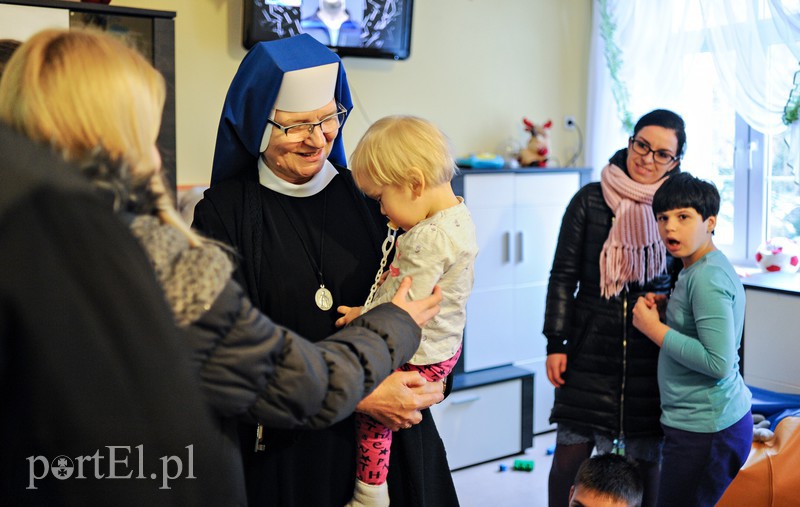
point(610, 380)
point(250, 365)
point(89, 353)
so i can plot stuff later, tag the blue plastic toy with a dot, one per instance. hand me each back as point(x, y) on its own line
point(482, 161)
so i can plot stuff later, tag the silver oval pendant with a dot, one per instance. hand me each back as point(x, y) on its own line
point(323, 298)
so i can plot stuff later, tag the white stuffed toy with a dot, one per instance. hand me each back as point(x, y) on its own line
point(778, 254)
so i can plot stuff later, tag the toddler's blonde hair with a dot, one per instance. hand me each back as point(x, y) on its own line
point(394, 144)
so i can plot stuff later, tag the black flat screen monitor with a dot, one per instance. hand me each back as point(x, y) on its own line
point(375, 28)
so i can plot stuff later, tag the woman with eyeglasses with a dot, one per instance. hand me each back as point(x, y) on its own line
point(609, 253)
point(309, 242)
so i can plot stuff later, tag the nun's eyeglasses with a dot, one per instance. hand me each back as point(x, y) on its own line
point(301, 131)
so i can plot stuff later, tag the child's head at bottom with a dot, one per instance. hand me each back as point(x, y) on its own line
point(607, 480)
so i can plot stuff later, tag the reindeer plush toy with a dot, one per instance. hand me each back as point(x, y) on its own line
point(535, 153)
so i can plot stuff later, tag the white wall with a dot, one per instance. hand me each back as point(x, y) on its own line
point(476, 68)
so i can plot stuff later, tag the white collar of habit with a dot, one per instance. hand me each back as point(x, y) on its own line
point(313, 186)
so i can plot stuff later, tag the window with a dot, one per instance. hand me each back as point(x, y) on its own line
point(728, 69)
point(759, 190)
point(783, 192)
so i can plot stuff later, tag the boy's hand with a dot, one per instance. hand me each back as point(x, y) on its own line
point(659, 301)
point(647, 320)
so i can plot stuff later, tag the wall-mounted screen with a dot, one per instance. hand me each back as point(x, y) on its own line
point(368, 28)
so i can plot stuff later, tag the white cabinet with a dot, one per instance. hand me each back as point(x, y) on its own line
point(486, 417)
point(517, 217)
point(501, 395)
point(543, 393)
point(771, 323)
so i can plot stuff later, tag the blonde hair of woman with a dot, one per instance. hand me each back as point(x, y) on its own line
point(88, 94)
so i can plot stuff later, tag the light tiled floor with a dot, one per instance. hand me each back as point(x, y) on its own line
point(484, 485)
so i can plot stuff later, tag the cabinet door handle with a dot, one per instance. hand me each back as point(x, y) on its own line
point(520, 246)
point(506, 247)
point(463, 401)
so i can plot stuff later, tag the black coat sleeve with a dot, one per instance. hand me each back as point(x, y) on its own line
point(318, 384)
point(233, 348)
point(565, 274)
point(90, 358)
point(247, 363)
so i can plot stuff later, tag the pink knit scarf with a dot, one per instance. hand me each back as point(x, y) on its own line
point(633, 251)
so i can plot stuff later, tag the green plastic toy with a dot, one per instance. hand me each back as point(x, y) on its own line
point(523, 465)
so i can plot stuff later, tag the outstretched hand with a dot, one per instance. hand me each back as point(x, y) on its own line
point(421, 310)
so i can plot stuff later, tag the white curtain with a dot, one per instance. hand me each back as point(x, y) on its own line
point(659, 41)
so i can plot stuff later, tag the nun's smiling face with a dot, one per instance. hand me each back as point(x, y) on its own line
point(298, 160)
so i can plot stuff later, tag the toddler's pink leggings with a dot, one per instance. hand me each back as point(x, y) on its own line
point(375, 439)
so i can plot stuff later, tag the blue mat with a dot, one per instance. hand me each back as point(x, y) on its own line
point(774, 419)
point(770, 403)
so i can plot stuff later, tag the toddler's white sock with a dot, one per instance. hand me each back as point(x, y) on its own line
point(370, 495)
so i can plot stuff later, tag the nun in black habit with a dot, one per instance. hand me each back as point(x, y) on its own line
point(310, 241)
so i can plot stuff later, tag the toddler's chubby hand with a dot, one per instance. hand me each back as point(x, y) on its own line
point(349, 314)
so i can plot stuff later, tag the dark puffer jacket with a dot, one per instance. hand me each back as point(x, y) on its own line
point(610, 380)
point(250, 365)
point(250, 368)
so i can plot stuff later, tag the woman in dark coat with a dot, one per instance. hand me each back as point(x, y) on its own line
point(609, 253)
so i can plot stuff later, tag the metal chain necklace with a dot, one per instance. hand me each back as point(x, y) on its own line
point(386, 247)
point(322, 297)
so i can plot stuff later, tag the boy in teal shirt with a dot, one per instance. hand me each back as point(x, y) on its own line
point(705, 403)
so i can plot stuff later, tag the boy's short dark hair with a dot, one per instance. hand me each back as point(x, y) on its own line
point(683, 190)
point(612, 475)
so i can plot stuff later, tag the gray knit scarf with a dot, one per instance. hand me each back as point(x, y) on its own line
point(633, 238)
point(192, 278)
